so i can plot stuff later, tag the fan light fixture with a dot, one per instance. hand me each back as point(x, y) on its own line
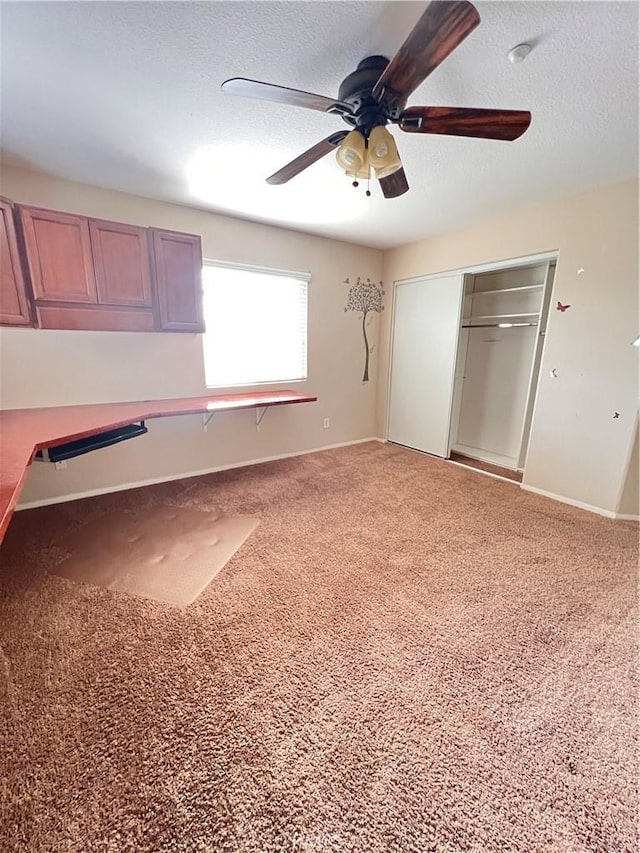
point(358, 156)
point(383, 154)
point(352, 155)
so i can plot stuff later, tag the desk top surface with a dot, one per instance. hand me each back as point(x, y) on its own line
point(24, 431)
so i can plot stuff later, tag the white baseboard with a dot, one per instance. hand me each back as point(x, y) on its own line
point(123, 487)
point(607, 513)
point(481, 471)
point(185, 475)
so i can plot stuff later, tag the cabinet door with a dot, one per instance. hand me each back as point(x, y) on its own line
point(178, 267)
point(58, 250)
point(425, 340)
point(121, 263)
point(14, 305)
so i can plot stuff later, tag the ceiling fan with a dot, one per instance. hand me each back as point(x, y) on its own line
point(376, 93)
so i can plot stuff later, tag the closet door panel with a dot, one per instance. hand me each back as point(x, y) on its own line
point(425, 341)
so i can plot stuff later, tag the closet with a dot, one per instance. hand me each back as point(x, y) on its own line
point(465, 360)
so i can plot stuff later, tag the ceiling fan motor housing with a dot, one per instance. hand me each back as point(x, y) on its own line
point(356, 90)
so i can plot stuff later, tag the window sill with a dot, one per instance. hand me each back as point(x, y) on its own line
point(253, 386)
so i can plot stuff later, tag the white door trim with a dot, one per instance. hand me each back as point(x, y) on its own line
point(512, 263)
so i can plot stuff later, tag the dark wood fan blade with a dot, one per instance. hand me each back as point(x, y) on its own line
point(282, 95)
point(443, 25)
point(463, 121)
point(394, 185)
point(308, 158)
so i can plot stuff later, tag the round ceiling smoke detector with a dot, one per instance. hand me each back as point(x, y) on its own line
point(519, 53)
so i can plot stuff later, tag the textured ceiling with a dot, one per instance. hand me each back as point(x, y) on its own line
point(127, 96)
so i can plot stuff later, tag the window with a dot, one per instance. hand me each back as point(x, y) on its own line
point(256, 323)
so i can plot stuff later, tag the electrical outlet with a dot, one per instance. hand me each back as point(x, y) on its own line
point(60, 466)
point(326, 423)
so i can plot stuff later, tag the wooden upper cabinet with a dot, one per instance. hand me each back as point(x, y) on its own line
point(178, 274)
point(121, 263)
point(14, 305)
point(58, 248)
point(93, 274)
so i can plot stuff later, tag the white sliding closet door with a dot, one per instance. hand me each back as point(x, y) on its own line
point(425, 341)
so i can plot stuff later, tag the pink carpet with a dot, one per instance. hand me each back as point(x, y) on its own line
point(404, 656)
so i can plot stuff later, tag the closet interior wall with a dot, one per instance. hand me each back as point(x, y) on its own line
point(503, 323)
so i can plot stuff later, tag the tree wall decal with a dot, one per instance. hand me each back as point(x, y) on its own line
point(365, 297)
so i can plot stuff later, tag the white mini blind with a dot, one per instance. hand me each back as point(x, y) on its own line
point(256, 322)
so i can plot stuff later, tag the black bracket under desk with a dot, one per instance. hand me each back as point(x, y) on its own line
point(91, 442)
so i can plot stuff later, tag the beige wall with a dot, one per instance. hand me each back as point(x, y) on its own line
point(578, 450)
point(43, 368)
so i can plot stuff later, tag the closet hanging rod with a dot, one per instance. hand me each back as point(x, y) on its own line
point(496, 325)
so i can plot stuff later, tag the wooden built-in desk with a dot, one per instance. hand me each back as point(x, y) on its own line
point(25, 431)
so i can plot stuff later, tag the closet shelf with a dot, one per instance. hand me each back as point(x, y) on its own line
point(508, 290)
point(502, 316)
point(498, 325)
